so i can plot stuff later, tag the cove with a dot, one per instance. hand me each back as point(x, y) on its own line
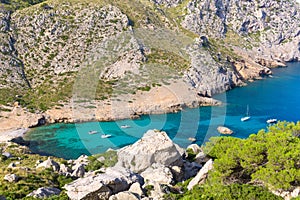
point(276, 97)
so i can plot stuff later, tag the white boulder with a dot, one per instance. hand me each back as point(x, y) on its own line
point(79, 170)
point(45, 192)
point(158, 173)
point(202, 174)
point(136, 188)
point(124, 196)
point(49, 163)
point(102, 186)
point(153, 147)
point(11, 178)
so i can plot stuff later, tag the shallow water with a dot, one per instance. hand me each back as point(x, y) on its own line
point(276, 97)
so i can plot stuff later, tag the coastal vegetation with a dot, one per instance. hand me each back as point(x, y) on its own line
point(29, 177)
point(251, 168)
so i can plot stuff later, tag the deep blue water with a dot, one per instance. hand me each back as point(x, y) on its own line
point(276, 97)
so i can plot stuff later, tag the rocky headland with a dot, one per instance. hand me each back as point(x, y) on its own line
point(68, 61)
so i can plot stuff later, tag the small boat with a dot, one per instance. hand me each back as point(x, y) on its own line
point(247, 117)
point(272, 121)
point(125, 126)
point(93, 132)
point(105, 136)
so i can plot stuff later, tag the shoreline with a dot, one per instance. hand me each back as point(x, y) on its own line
point(12, 134)
point(21, 121)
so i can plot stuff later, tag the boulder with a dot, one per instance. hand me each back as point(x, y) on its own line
point(64, 170)
point(102, 186)
point(7, 154)
point(124, 195)
point(136, 188)
point(158, 173)
point(49, 163)
point(153, 147)
point(83, 159)
point(202, 174)
point(79, 170)
point(224, 130)
point(11, 178)
point(45, 192)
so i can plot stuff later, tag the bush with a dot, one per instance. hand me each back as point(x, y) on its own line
point(272, 157)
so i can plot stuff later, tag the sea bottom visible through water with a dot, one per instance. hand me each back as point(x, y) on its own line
point(275, 97)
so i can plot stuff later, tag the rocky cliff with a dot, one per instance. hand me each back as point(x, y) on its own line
point(100, 53)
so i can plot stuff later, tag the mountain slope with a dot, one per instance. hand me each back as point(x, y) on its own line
point(101, 53)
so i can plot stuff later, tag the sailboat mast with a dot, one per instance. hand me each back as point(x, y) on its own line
point(247, 110)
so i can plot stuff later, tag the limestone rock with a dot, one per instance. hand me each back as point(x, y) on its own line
point(288, 195)
point(158, 173)
point(124, 195)
point(202, 174)
point(65, 170)
point(224, 130)
point(102, 186)
point(45, 192)
point(136, 188)
point(79, 170)
point(153, 147)
point(11, 178)
point(83, 159)
point(7, 154)
point(49, 163)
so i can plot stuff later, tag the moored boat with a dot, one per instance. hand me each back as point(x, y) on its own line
point(272, 121)
point(93, 132)
point(247, 117)
point(125, 126)
point(105, 136)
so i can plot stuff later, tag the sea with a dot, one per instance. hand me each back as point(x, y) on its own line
point(272, 97)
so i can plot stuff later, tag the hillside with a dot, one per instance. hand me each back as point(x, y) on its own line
point(118, 59)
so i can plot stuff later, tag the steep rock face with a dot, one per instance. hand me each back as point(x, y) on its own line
point(55, 40)
point(207, 76)
point(270, 25)
point(11, 70)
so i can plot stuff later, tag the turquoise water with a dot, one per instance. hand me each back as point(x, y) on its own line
point(276, 97)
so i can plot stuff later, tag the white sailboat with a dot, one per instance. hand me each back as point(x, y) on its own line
point(272, 121)
point(247, 117)
point(105, 136)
